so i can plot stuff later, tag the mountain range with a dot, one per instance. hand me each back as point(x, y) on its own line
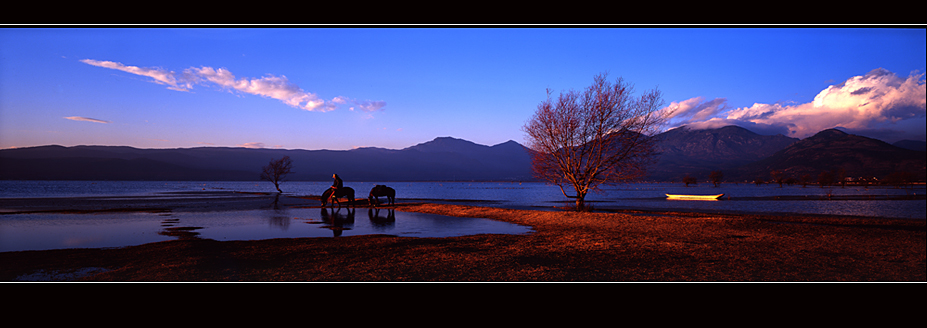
point(693, 152)
point(742, 155)
point(835, 150)
point(441, 159)
point(739, 153)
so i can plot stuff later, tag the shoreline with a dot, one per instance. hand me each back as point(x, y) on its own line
point(240, 200)
point(563, 247)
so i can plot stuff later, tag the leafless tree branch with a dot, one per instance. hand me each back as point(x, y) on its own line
point(600, 136)
point(277, 170)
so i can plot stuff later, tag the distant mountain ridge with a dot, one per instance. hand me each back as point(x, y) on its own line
point(835, 150)
point(739, 153)
point(699, 151)
point(440, 159)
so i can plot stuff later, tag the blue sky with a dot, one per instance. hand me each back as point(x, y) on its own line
point(341, 88)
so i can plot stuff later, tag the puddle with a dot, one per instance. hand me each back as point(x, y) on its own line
point(39, 231)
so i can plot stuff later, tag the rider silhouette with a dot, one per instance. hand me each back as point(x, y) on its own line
point(335, 185)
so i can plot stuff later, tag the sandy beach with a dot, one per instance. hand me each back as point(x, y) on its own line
point(625, 246)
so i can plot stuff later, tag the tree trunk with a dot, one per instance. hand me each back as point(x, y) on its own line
point(580, 202)
point(580, 197)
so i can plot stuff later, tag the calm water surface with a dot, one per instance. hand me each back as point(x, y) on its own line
point(647, 196)
point(55, 231)
point(49, 231)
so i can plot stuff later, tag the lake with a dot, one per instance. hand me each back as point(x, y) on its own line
point(49, 231)
point(100, 230)
point(740, 198)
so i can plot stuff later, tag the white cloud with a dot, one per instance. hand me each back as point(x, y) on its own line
point(695, 110)
point(364, 105)
point(85, 119)
point(370, 106)
point(878, 101)
point(159, 75)
point(270, 86)
point(252, 145)
point(274, 87)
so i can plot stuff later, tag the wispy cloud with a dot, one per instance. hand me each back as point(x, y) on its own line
point(696, 110)
point(252, 145)
point(173, 80)
point(363, 105)
point(877, 101)
point(257, 145)
point(86, 119)
point(270, 86)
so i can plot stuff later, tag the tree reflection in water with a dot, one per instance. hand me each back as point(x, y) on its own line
point(278, 216)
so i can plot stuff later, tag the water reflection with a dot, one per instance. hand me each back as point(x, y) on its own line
point(278, 216)
point(276, 204)
point(40, 231)
point(171, 228)
point(338, 222)
point(380, 222)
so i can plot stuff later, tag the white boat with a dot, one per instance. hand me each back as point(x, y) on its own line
point(694, 197)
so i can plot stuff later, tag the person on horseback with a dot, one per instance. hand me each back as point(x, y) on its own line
point(335, 185)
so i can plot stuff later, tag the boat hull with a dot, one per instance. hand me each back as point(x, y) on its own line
point(693, 197)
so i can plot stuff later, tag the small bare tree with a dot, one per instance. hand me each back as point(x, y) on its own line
point(777, 177)
point(826, 178)
point(716, 177)
point(277, 170)
point(805, 179)
point(688, 179)
point(600, 136)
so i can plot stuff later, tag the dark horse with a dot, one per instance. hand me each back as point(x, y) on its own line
point(342, 192)
point(381, 190)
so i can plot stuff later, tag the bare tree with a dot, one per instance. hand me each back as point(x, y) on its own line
point(826, 178)
point(600, 136)
point(716, 177)
point(777, 176)
point(688, 179)
point(805, 179)
point(841, 177)
point(277, 170)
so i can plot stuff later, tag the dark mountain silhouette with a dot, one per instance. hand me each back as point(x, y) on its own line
point(449, 145)
point(912, 145)
point(441, 159)
point(698, 152)
point(836, 151)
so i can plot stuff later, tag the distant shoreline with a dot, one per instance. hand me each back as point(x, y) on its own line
point(229, 200)
point(213, 200)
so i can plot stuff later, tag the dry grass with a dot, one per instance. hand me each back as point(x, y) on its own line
point(565, 246)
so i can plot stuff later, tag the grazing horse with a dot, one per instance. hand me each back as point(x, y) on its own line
point(381, 190)
point(341, 192)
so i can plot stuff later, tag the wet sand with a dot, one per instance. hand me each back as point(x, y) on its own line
point(564, 247)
